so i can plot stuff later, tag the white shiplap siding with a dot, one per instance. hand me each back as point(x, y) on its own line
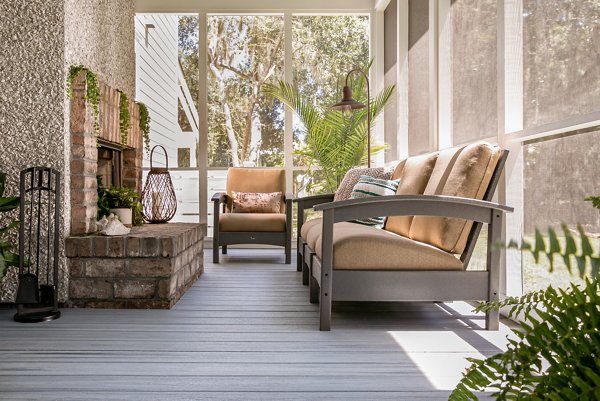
point(156, 81)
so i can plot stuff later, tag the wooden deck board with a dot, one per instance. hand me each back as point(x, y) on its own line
point(244, 331)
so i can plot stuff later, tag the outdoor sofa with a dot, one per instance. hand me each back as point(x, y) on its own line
point(424, 249)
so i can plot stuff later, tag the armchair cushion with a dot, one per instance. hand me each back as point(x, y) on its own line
point(256, 202)
point(468, 177)
point(358, 247)
point(247, 222)
point(241, 179)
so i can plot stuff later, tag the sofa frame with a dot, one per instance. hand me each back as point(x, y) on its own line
point(327, 285)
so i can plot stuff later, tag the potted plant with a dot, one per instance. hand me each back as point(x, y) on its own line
point(119, 201)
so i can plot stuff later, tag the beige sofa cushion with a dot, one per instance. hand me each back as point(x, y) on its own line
point(242, 179)
point(398, 170)
point(308, 225)
point(469, 177)
point(314, 233)
point(358, 247)
point(263, 222)
point(413, 180)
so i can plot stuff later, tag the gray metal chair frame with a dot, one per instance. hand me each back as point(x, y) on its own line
point(224, 238)
point(404, 285)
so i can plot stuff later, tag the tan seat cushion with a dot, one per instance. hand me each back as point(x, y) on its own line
point(314, 234)
point(264, 222)
point(308, 225)
point(413, 180)
point(359, 247)
point(243, 179)
point(469, 177)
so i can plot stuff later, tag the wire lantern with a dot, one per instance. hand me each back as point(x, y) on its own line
point(159, 203)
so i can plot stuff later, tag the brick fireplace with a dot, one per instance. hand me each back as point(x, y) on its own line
point(84, 151)
point(151, 267)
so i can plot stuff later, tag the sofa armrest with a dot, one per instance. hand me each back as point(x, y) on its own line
point(309, 202)
point(412, 205)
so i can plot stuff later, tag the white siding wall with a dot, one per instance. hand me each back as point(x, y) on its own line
point(156, 81)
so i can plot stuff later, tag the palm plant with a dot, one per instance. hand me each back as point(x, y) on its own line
point(7, 204)
point(557, 352)
point(335, 141)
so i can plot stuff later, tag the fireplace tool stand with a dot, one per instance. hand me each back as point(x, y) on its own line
point(37, 294)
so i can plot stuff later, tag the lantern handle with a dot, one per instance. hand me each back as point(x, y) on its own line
point(164, 150)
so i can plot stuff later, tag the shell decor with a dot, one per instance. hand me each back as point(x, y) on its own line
point(159, 203)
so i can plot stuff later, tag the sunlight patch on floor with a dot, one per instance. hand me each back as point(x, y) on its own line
point(441, 356)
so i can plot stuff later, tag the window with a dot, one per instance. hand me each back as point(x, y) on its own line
point(474, 86)
point(244, 127)
point(325, 49)
point(558, 174)
point(560, 60)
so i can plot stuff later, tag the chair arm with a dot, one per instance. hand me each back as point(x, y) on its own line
point(412, 205)
point(220, 197)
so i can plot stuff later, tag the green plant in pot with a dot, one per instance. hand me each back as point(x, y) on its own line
point(7, 204)
point(336, 141)
point(556, 355)
point(120, 201)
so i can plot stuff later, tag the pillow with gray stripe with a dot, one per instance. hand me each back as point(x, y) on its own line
point(368, 186)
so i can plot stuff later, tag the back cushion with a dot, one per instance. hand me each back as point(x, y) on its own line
point(413, 179)
point(398, 170)
point(241, 179)
point(469, 177)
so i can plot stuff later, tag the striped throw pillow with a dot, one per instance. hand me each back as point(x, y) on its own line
point(368, 186)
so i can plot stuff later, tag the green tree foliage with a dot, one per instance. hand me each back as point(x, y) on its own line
point(244, 52)
point(556, 355)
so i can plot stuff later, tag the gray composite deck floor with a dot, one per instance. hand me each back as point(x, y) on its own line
point(244, 331)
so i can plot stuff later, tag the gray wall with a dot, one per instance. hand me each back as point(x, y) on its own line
point(39, 39)
point(32, 89)
point(100, 35)
point(390, 63)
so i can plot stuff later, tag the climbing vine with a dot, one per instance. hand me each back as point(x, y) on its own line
point(145, 125)
point(123, 118)
point(92, 94)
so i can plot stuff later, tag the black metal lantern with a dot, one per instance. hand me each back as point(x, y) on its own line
point(159, 203)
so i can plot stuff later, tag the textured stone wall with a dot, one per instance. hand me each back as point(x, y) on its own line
point(100, 35)
point(32, 90)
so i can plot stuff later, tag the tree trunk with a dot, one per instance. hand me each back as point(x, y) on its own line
point(235, 160)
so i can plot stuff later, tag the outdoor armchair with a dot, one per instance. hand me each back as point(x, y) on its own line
point(254, 210)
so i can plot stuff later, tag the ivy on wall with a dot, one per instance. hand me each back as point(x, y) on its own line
point(123, 117)
point(92, 94)
point(92, 97)
point(145, 125)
